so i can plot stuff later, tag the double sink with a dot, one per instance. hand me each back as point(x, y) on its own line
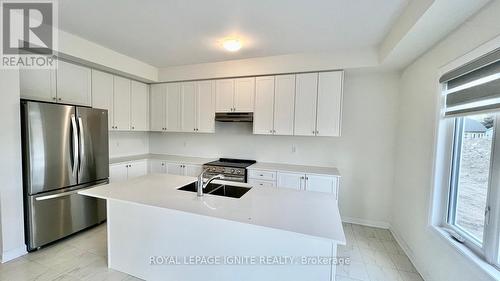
point(224, 190)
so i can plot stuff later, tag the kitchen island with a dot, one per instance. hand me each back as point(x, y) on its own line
point(157, 232)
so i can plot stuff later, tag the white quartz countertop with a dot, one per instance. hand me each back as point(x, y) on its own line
point(164, 157)
point(309, 213)
point(295, 168)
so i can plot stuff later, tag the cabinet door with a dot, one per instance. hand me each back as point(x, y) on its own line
point(224, 95)
point(244, 93)
point(139, 106)
point(175, 169)
point(137, 169)
point(158, 107)
point(306, 87)
point(102, 93)
point(263, 118)
point(121, 103)
point(205, 106)
point(118, 172)
point(329, 103)
point(290, 180)
point(38, 84)
point(188, 111)
point(173, 103)
point(261, 183)
point(193, 170)
point(320, 183)
point(74, 84)
point(157, 167)
point(284, 104)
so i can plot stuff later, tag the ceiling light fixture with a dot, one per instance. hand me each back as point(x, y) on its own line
point(232, 45)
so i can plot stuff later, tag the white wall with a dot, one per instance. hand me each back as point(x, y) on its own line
point(128, 143)
point(11, 189)
point(364, 153)
point(435, 259)
point(272, 65)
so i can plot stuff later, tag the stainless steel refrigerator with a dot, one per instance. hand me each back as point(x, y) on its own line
point(65, 150)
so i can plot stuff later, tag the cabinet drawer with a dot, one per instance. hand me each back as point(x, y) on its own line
point(261, 183)
point(262, 175)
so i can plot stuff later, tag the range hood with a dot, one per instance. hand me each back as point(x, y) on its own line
point(234, 117)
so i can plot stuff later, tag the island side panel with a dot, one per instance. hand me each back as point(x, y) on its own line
point(138, 233)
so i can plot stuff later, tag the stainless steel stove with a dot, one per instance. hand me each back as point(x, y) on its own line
point(232, 169)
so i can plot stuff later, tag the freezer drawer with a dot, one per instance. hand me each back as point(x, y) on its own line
point(54, 216)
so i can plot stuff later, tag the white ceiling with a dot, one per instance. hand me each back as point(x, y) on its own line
point(178, 32)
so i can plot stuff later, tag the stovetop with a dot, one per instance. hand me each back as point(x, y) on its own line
point(235, 163)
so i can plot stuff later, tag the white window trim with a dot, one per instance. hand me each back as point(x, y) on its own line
point(441, 168)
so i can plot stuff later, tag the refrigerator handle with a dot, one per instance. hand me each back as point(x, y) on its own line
point(75, 144)
point(81, 142)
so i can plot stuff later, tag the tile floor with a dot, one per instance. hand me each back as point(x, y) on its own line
point(374, 254)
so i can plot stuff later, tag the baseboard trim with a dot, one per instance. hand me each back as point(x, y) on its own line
point(420, 268)
point(372, 223)
point(14, 253)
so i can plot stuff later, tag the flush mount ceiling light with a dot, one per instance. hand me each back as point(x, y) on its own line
point(231, 45)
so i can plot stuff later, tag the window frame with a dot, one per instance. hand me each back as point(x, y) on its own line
point(489, 250)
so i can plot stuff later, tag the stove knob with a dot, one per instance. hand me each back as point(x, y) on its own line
point(232, 171)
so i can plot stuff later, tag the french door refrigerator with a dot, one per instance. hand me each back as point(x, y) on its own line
point(65, 150)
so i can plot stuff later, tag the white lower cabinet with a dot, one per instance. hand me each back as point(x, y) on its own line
point(157, 167)
point(175, 169)
point(128, 170)
point(321, 183)
point(183, 169)
point(294, 180)
point(261, 183)
point(290, 180)
point(118, 172)
point(192, 170)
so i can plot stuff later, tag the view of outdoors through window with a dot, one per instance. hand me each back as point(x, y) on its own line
point(473, 173)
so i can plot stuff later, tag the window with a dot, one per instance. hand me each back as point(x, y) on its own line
point(470, 138)
point(470, 177)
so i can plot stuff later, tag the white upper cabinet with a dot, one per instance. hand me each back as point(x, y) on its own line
point(74, 84)
point(173, 110)
point(121, 103)
point(263, 119)
point(102, 93)
point(158, 107)
point(235, 95)
point(244, 93)
point(38, 84)
point(205, 106)
point(188, 119)
point(306, 92)
point(284, 104)
point(139, 106)
point(329, 115)
point(224, 95)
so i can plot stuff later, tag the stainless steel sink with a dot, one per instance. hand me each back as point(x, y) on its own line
point(218, 189)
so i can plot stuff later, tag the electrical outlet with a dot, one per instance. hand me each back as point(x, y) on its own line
point(294, 148)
